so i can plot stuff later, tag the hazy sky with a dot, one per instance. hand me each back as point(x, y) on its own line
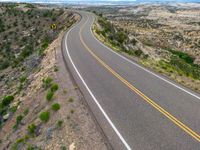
point(46, 1)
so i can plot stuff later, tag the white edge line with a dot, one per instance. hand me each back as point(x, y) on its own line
point(150, 72)
point(91, 94)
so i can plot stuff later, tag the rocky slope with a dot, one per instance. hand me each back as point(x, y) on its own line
point(41, 107)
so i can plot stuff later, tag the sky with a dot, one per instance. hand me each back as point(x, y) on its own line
point(66, 1)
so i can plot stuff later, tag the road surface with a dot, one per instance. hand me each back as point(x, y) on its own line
point(136, 108)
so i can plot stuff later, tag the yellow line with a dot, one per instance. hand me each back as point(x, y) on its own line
point(134, 89)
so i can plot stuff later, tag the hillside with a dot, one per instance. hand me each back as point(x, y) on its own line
point(165, 38)
point(40, 105)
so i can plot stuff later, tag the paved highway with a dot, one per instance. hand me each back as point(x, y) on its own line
point(136, 108)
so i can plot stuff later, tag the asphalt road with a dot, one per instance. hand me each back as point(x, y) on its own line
point(136, 108)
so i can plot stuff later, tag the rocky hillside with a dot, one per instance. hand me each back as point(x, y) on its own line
point(26, 32)
point(40, 106)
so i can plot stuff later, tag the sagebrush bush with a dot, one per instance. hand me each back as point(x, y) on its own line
point(71, 99)
point(55, 68)
point(26, 111)
point(59, 123)
point(19, 119)
point(23, 79)
point(7, 100)
point(186, 68)
point(4, 64)
point(44, 116)
point(55, 106)
point(138, 53)
point(184, 56)
point(31, 129)
point(54, 87)
point(47, 82)
point(49, 95)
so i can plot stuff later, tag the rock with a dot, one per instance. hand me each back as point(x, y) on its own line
point(49, 133)
point(6, 116)
point(72, 146)
point(32, 62)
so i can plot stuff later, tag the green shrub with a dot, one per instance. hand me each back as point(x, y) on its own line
point(47, 82)
point(53, 18)
point(71, 99)
point(13, 109)
point(55, 106)
point(63, 148)
point(23, 79)
point(33, 147)
point(26, 111)
point(187, 69)
point(47, 13)
point(4, 105)
point(72, 111)
point(54, 87)
point(19, 142)
point(49, 95)
point(27, 51)
point(138, 53)
point(55, 68)
point(30, 147)
point(184, 56)
point(45, 45)
point(59, 123)
point(41, 52)
point(65, 91)
point(19, 119)
point(7, 100)
point(19, 87)
point(4, 64)
point(121, 37)
point(44, 116)
point(133, 41)
point(106, 25)
point(2, 26)
point(31, 129)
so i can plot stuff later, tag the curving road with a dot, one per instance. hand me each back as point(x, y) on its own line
point(136, 108)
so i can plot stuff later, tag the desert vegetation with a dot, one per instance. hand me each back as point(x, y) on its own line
point(34, 109)
point(26, 32)
point(163, 37)
point(117, 38)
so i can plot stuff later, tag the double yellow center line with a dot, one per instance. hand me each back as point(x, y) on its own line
point(138, 92)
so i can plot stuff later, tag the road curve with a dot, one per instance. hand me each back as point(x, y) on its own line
point(136, 108)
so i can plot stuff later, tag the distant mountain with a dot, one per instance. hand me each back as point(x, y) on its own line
point(103, 1)
point(164, 1)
